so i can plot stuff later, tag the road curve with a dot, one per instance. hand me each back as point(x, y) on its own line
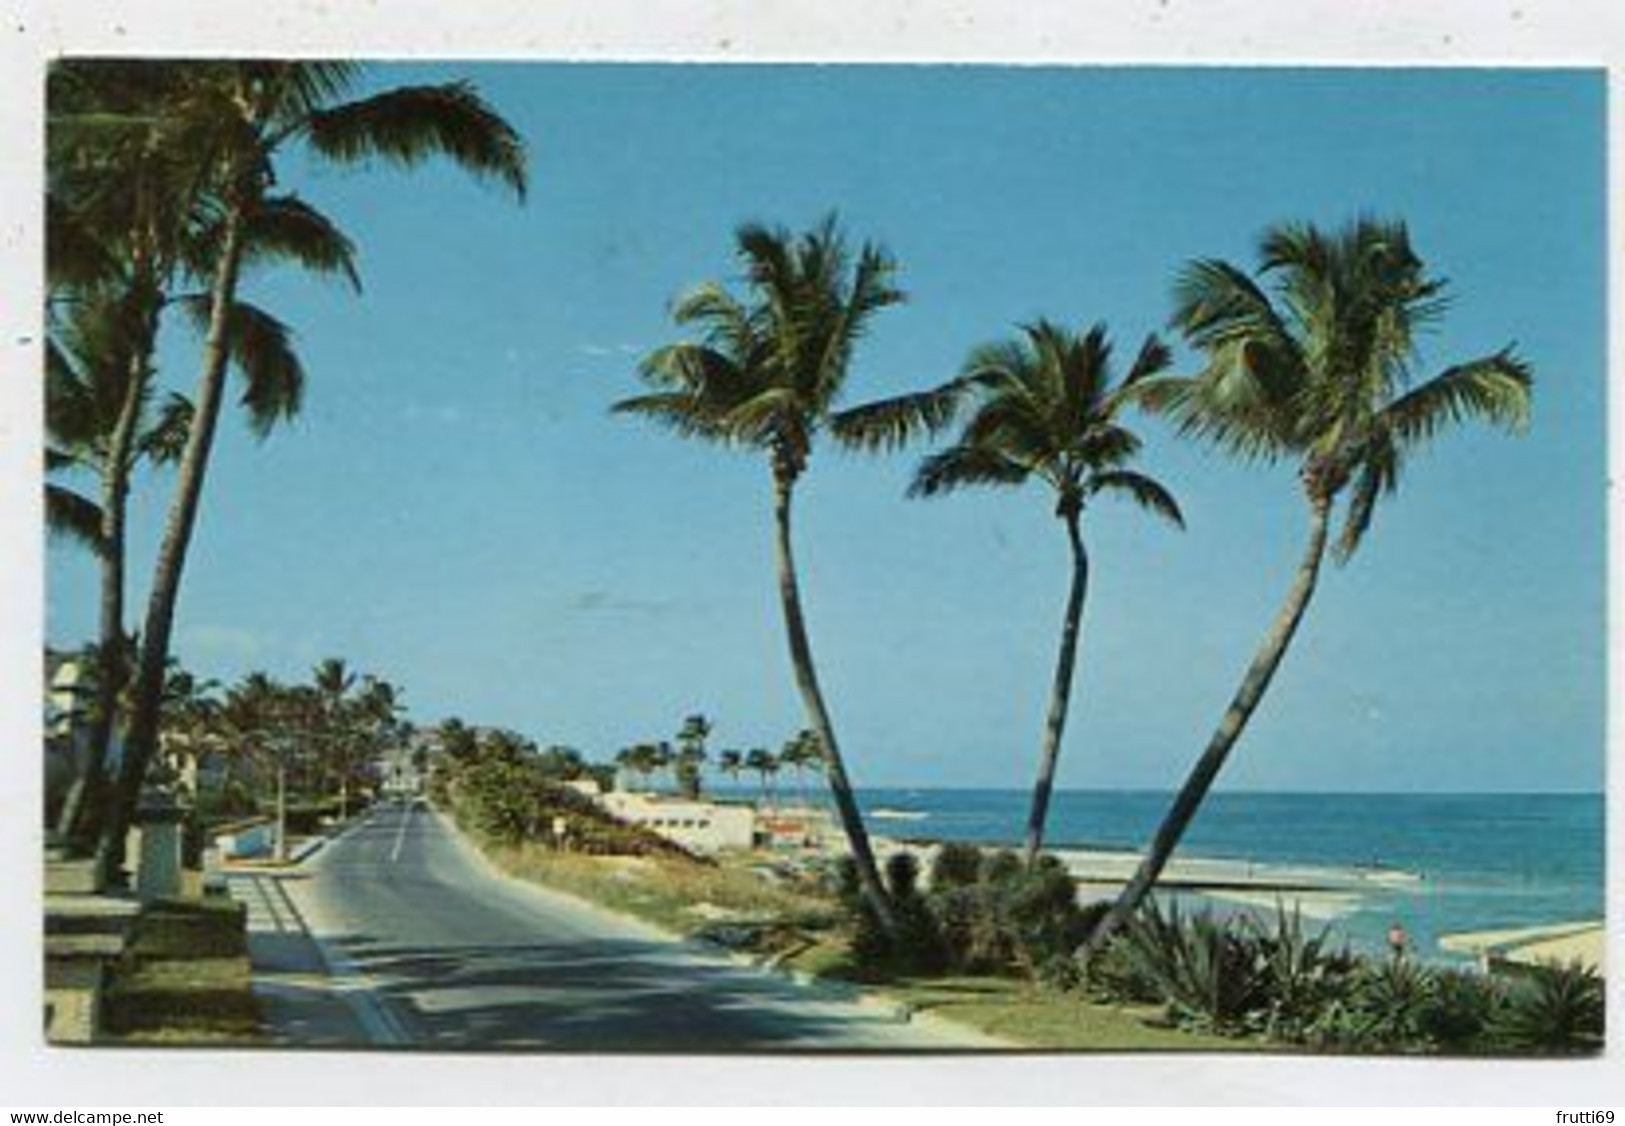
point(441, 952)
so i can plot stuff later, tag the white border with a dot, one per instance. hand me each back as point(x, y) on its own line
point(1425, 32)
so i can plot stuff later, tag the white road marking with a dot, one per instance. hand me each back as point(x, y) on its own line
point(400, 837)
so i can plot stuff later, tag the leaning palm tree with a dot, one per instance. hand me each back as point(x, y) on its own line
point(242, 116)
point(1047, 410)
point(100, 427)
point(100, 420)
point(1319, 371)
point(768, 373)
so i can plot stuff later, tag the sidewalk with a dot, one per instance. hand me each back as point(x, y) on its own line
point(303, 1004)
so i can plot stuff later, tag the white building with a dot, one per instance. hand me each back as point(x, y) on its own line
point(696, 824)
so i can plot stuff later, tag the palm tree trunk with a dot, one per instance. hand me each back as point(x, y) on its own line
point(160, 620)
point(76, 819)
point(1241, 708)
point(812, 696)
point(1061, 694)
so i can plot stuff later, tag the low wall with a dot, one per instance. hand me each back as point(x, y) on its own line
point(245, 839)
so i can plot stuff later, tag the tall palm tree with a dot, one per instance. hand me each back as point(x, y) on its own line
point(800, 753)
point(1312, 361)
point(1047, 410)
point(340, 724)
point(244, 116)
point(765, 765)
point(99, 420)
point(95, 426)
point(127, 216)
point(768, 373)
point(690, 760)
point(731, 762)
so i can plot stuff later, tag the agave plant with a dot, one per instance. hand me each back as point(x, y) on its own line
point(1300, 973)
point(1386, 1010)
point(1465, 1005)
point(1205, 970)
point(1556, 1009)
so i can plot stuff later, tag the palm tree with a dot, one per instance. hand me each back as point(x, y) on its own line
point(1046, 409)
point(256, 714)
point(339, 727)
point(243, 116)
point(800, 753)
point(127, 221)
point(731, 762)
point(767, 373)
point(765, 765)
point(96, 426)
point(690, 759)
point(1319, 371)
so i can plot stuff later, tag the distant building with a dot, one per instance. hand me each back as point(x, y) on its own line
point(793, 827)
point(399, 771)
point(697, 825)
point(67, 734)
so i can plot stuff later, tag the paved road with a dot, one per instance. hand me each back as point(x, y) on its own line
point(438, 951)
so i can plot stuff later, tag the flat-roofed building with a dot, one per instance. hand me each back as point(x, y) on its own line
point(696, 824)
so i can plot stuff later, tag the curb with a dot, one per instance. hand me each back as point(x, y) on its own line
point(349, 985)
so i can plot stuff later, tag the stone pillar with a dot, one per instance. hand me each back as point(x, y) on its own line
point(155, 842)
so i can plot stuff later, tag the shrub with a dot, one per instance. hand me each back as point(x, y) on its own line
point(1205, 971)
point(1117, 974)
point(505, 797)
point(1384, 1006)
point(1461, 1010)
point(918, 947)
point(955, 866)
point(1299, 976)
point(1552, 1009)
point(981, 915)
point(1040, 907)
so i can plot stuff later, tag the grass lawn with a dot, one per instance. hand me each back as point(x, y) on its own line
point(1039, 1018)
point(674, 893)
point(187, 979)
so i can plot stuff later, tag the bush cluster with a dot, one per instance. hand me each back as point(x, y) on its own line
point(515, 797)
point(1245, 976)
point(979, 913)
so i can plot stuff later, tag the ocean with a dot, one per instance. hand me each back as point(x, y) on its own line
point(1484, 861)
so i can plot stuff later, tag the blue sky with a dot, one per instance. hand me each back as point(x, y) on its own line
point(457, 510)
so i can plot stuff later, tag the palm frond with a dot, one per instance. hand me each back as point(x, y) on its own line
point(1229, 405)
point(286, 228)
point(1494, 388)
point(890, 424)
point(678, 411)
point(76, 517)
point(410, 124)
point(1103, 446)
point(308, 85)
point(74, 256)
point(1144, 491)
point(963, 466)
point(59, 460)
point(760, 418)
point(1216, 304)
point(1378, 475)
point(164, 441)
point(262, 350)
point(1152, 359)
